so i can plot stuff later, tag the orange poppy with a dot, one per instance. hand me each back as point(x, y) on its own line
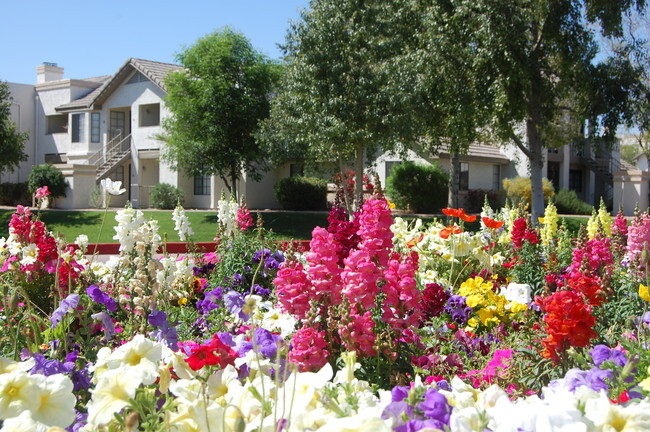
point(459, 213)
point(452, 212)
point(491, 223)
point(447, 231)
point(411, 243)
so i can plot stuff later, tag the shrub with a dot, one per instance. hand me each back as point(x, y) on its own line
point(519, 189)
point(14, 193)
point(96, 200)
point(567, 202)
point(420, 188)
point(47, 175)
point(301, 193)
point(165, 196)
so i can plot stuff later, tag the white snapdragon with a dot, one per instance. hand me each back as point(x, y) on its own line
point(182, 223)
point(227, 213)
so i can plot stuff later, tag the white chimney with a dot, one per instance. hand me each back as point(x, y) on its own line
point(48, 72)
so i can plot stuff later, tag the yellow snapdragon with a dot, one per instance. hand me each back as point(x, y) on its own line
point(550, 225)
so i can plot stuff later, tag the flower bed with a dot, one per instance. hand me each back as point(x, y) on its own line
point(378, 325)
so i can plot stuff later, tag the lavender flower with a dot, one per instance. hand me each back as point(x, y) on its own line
point(602, 353)
point(436, 408)
point(266, 342)
point(165, 334)
point(107, 323)
point(99, 296)
point(43, 366)
point(67, 304)
point(234, 302)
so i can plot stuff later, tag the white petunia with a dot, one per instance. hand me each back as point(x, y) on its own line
point(23, 423)
point(516, 292)
point(111, 394)
point(30, 254)
point(57, 401)
point(18, 392)
point(141, 355)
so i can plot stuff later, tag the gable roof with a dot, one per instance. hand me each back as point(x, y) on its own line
point(478, 152)
point(154, 71)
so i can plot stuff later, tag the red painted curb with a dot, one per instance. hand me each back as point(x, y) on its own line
point(176, 248)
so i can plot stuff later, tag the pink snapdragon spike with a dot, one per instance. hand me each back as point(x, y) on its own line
point(293, 289)
point(308, 349)
point(42, 192)
point(359, 334)
point(244, 219)
point(324, 272)
point(402, 305)
point(593, 258)
point(638, 235)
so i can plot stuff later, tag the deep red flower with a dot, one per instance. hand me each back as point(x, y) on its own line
point(213, 353)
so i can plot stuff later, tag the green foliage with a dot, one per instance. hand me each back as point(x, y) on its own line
point(14, 193)
point(519, 189)
point(47, 175)
point(217, 101)
point(421, 188)
point(301, 193)
point(477, 198)
point(165, 196)
point(567, 202)
point(346, 91)
point(12, 142)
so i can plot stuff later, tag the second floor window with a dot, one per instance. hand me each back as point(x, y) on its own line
point(94, 127)
point(149, 115)
point(78, 127)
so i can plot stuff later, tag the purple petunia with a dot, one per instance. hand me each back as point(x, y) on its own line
point(99, 296)
point(234, 302)
point(67, 304)
point(458, 309)
point(107, 323)
point(602, 353)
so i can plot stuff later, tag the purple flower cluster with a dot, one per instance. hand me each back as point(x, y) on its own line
point(165, 334)
point(413, 413)
point(67, 304)
point(458, 309)
point(602, 353)
point(99, 296)
point(234, 302)
point(209, 301)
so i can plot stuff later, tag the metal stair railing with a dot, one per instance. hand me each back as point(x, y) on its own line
point(114, 154)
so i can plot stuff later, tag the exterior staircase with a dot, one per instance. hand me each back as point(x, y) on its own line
point(604, 166)
point(116, 152)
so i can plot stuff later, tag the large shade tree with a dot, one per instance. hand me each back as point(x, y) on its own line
point(346, 93)
point(217, 102)
point(12, 142)
point(540, 59)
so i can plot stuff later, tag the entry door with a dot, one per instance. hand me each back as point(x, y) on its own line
point(118, 125)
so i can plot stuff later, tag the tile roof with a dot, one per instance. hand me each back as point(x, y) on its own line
point(154, 71)
point(477, 151)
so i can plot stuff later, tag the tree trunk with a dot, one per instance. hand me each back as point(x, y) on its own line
point(536, 161)
point(359, 154)
point(454, 179)
point(233, 179)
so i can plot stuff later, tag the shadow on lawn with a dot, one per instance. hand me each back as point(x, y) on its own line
point(72, 218)
point(297, 226)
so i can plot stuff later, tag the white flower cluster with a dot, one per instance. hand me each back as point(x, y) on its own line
point(182, 223)
point(33, 402)
point(557, 410)
point(133, 230)
point(176, 275)
point(227, 213)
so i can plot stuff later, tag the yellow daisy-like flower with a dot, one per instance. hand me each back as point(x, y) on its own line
point(391, 205)
point(183, 301)
point(643, 293)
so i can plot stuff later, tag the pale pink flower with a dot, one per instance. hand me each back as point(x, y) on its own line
point(42, 192)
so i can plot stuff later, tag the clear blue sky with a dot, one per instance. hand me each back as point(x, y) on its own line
point(95, 37)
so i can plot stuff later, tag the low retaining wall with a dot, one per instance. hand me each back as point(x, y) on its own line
point(180, 248)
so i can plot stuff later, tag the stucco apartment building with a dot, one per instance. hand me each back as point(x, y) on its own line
point(109, 126)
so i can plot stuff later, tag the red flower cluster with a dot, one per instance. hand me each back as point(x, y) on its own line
point(522, 233)
point(569, 322)
point(344, 230)
point(434, 299)
point(212, 353)
point(244, 219)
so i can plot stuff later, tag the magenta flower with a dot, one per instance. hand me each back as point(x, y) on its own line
point(42, 192)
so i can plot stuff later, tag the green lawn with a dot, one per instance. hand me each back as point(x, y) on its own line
point(286, 225)
point(69, 224)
